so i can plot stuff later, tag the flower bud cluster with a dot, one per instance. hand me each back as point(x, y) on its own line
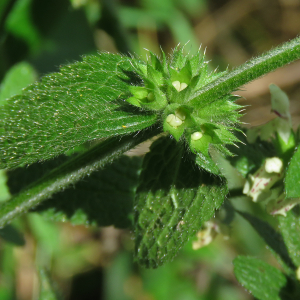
point(169, 85)
point(259, 185)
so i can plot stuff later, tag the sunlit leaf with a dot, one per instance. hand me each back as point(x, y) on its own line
point(80, 103)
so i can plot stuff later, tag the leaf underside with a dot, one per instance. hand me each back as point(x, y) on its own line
point(104, 198)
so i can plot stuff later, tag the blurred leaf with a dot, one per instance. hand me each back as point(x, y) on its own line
point(168, 282)
point(17, 78)
point(132, 16)
point(4, 192)
point(10, 234)
point(46, 15)
point(193, 7)
point(47, 289)
point(104, 198)
point(8, 268)
point(262, 280)
point(273, 239)
point(117, 277)
point(292, 179)
point(19, 23)
point(5, 293)
point(68, 108)
point(3, 6)
point(182, 29)
point(68, 32)
point(79, 3)
point(290, 229)
point(47, 236)
point(112, 24)
point(161, 14)
point(174, 199)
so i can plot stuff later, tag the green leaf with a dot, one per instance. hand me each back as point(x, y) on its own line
point(80, 103)
point(174, 199)
point(69, 173)
point(292, 179)
point(117, 273)
point(17, 78)
point(47, 235)
point(105, 198)
point(262, 280)
point(20, 23)
point(273, 239)
point(290, 229)
point(4, 192)
point(48, 291)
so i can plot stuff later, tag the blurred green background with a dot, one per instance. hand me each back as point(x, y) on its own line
point(36, 37)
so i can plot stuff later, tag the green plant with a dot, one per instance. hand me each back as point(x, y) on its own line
point(117, 102)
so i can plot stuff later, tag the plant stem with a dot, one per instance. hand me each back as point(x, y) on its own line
point(69, 173)
point(249, 71)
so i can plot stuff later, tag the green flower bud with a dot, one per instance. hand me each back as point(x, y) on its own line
point(169, 84)
point(196, 136)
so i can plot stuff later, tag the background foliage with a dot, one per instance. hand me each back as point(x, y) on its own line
point(38, 36)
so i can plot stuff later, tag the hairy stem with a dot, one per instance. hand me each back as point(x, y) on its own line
point(249, 71)
point(69, 173)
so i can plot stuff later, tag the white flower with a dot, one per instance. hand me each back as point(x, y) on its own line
point(281, 205)
point(259, 184)
point(179, 86)
point(208, 234)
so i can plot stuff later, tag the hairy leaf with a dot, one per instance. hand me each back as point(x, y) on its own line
point(105, 198)
point(174, 199)
point(292, 179)
point(290, 229)
point(69, 173)
point(262, 280)
point(80, 103)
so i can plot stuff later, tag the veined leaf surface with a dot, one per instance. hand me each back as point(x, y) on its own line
point(80, 103)
point(174, 199)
